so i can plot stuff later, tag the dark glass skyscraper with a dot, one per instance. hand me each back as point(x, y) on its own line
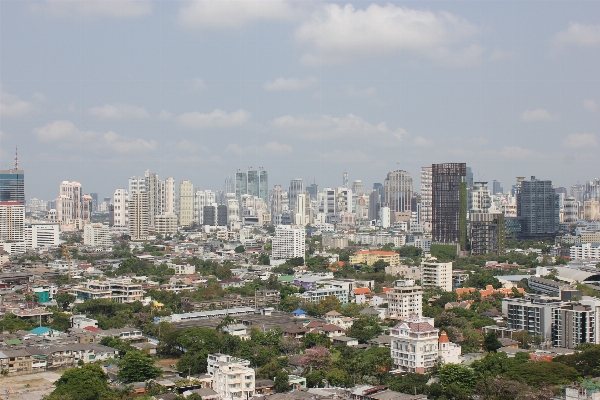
point(449, 203)
point(12, 185)
point(538, 208)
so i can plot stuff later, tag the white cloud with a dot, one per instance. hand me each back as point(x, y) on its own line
point(337, 34)
point(422, 142)
point(290, 84)
point(344, 156)
point(590, 105)
point(580, 140)
point(164, 115)
point(227, 14)
point(581, 35)
point(268, 149)
point(66, 134)
point(539, 114)
point(39, 97)
point(326, 127)
point(12, 106)
point(119, 111)
point(94, 8)
point(196, 84)
point(216, 119)
point(191, 147)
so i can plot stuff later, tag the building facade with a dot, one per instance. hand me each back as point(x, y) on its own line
point(449, 203)
point(435, 274)
point(289, 242)
point(404, 299)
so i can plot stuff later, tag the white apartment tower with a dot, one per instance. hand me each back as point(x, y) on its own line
point(169, 196)
point(300, 215)
point(42, 235)
point(69, 204)
point(289, 242)
point(426, 200)
point(405, 299)
point(138, 216)
point(156, 194)
point(121, 208)
point(186, 203)
point(434, 274)
point(398, 191)
point(12, 219)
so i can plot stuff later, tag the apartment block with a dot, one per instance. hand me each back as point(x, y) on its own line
point(314, 296)
point(289, 242)
point(42, 235)
point(97, 235)
point(119, 290)
point(370, 257)
point(434, 274)
point(232, 378)
point(585, 251)
point(404, 299)
point(534, 314)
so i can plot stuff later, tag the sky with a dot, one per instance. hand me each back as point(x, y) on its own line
point(98, 92)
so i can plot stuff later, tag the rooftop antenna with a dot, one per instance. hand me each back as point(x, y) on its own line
point(16, 159)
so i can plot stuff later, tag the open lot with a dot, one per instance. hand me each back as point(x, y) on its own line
point(28, 387)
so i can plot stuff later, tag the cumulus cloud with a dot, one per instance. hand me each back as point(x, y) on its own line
point(590, 105)
point(66, 134)
point(327, 127)
point(290, 84)
point(537, 115)
point(119, 111)
point(268, 149)
point(580, 140)
point(336, 34)
point(422, 142)
point(13, 106)
point(93, 8)
point(228, 14)
point(216, 119)
point(578, 34)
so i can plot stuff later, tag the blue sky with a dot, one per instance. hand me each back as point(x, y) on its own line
point(101, 91)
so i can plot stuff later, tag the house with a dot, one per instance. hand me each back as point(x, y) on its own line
point(345, 340)
point(233, 282)
point(295, 331)
point(298, 313)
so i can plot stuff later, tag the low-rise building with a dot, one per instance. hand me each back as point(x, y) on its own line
point(404, 299)
point(436, 274)
point(97, 235)
point(119, 290)
point(370, 257)
point(232, 378)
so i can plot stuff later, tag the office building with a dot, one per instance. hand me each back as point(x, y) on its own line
point(289, 242)
point(276, 201)
point(263, 187)
point(241, 184)
point(570, 210)
point(538, 208)
point(186, 203)
point(209, 215)
point(487, 233)
point(374, 205)
point(497, 187)
point(253, 185)
point(229, 185)
point(591, 210)
point(425, 205)
point(449, 204)
point(12, 228)
point(95, 203)
point(404, 299)
point(296, 187)
point(312, 190)
point(436, 274)
point(300, 212)
point(121, 208)
point(155, 189)
point(97, 235)
point(480, 200)
point(398, 191)
point(12, 185)
point(222, 215)
point(42, 235)
point(169, 207)
point(138, 221)
point(358, 188)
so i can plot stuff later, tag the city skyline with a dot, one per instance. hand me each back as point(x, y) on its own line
point(195, 90)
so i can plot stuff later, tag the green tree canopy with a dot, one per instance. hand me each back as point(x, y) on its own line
point(491, 342)
point(86, 383)
point(365, 328)
point(137, 367)
point(282, 382)
point(543, 373)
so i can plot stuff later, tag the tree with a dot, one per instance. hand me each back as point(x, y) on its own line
point(523, 337)
point(317, 358)
point(264, 259)
point(543, 373)
point(315, 339)
point(379, 266)
point(282, 382)
point(491, 342)
point(137, 367)
point(64, 300)
point(458, 375)
point(365, 328)
point(60, 322)
point(585, 361)
point(86, 383)
point(239, 249)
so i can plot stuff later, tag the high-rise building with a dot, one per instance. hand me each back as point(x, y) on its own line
point(199, 203)
point(289, 242)
point(449, 204)
point(570, 210)
point(229, 186)
point(480, 200)
point(137, 184)
point(42, 235)
point(296, 187)
point(374, 205)
point(241, 184)
point(209, 215)
point(222, 215)
point(497, 187)
point(12, 184)
point(253, 185)
point(69, 204)
point(138, 216)
point(358, 188)
point(276, 202)
point(94, 201)
point(405, 298)
point(169, 196)
point(591, 210)
point(87, 205)
point(263, 189)
point(12, 220)
point(538, 208)
point(313, 189)
point(436, 274)
point(156, 190)
point(425, 207)
point(121, 208)
point(186, 203)
point(300, 212)
point(398, 191)
point(487, 233)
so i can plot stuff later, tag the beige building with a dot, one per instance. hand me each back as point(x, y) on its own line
point(590, 237)
point(166, 223)
point(119, 290)
point(138, 222)
point(232, 378)
point(370, 257)
point(97, 235)
point(405, 299)
point(591, 210)
point(186, 203)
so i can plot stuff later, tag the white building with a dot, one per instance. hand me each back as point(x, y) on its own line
point(415, 346)
point(166, 223)
point(315, 296)
point(426, 199)
point(289, 242)
point(169, 196)
point(182, 268)
point(585, 251)
point(436, 274)
point(232, 378)
point(384, 217)
point(138, 216)
point(121, 208)
point(69, 204)
point(119, 290)
point(405, 299)
point(12, 219)
point(97, 235)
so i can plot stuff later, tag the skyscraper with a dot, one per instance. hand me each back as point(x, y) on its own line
point(241, 184)
point(69, 204)
point(497, 187)
point(296, 187)
point(398, 191)
point(229, 186)
point(425, 211)
point(374, 205)
point(358, 188)
point(121, 208)
point(263, 190)
point(155, 189)
point(449, 203)
point(537, 205)
point(186, 203)
point(313, 189)
point(169, 196)
point(253, 185)
point(138, 216)
point(12, 186)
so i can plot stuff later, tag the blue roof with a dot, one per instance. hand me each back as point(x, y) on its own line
point(298, 311)
point(40, 330)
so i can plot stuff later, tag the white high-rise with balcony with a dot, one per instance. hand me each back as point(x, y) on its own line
point(121, 208)
point(289, 242)
point(169, 196)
